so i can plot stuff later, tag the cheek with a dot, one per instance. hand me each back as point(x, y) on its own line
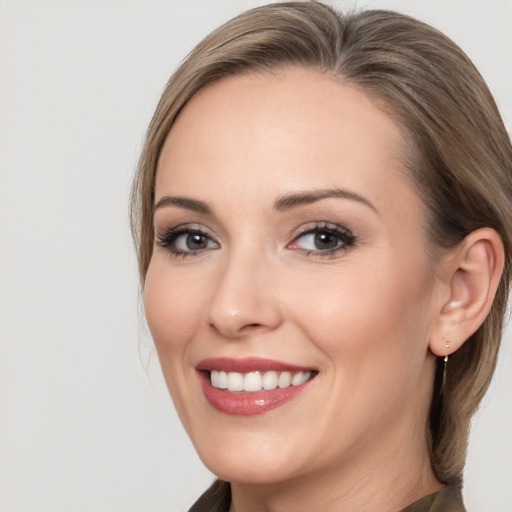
point(372, 330)
point(369, 314)
point(174, 307)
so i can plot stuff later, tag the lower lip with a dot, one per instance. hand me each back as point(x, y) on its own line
point(249, 404)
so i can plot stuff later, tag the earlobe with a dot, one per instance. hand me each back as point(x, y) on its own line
point(473, 273)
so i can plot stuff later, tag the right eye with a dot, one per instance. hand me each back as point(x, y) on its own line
point(184, 241)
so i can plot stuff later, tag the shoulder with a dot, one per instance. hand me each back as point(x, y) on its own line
point(217, 498)
point(447, 499)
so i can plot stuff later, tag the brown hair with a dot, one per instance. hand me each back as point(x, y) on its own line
point(460, 156)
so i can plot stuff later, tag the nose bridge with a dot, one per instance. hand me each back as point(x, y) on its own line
point(244, 299)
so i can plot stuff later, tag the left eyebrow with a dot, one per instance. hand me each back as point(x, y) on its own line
point(294, 200)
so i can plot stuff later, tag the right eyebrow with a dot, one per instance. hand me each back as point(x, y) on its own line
point(183, 202)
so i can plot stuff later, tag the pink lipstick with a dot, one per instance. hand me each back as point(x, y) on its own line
point(251, 386)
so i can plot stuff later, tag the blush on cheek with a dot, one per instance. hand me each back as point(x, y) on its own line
point(170, 320)
point(172, 310)
point(353, 313)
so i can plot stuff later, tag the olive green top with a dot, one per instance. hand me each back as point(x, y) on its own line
point(448, 499)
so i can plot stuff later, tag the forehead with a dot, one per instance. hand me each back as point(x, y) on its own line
point(271, 134)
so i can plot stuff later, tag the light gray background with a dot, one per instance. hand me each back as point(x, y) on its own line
point(83, 427)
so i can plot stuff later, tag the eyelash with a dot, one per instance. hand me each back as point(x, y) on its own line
point(345, 237)
point(169, 238)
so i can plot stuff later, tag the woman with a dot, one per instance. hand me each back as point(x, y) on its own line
point(322, 214)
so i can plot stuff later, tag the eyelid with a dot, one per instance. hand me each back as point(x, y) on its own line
point(344, 234)
point(166, 237)
point(318, 226)
point(185, 226)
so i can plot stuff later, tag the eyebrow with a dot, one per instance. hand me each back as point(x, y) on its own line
point(183, 202)
point(284, 203)
point(294, 200)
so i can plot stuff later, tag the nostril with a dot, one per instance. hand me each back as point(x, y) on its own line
point(237, 331)
point(251, 327)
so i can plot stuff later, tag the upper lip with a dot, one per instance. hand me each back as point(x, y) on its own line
point(248, 364)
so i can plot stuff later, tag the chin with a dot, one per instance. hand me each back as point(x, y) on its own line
point(249, 458)
point(245, 472)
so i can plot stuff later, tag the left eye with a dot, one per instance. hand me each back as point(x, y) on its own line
point(323, 240)
point(192, 242)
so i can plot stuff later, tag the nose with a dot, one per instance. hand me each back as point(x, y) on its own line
point(245, 298)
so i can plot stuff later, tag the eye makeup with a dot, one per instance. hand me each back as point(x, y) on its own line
point(186, 240)
point(322, 239)
point(318, 239)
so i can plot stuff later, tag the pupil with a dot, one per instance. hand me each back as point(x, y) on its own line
point(196, 242)
point(325, 241)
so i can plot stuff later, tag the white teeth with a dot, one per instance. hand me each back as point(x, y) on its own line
point(300, 378)
point(269, 380)
point(223, 380)
point(257, 381)
point(235, 381)
point(284, 380)
point(252, 381)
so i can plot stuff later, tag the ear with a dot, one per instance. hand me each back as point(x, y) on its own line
point(471, 274)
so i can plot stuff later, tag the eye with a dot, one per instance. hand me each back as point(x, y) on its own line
point(184, 241)
point(323, 239)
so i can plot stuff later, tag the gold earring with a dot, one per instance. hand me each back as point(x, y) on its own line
point(447, 346)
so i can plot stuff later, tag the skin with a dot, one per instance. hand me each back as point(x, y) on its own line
point(362, 316)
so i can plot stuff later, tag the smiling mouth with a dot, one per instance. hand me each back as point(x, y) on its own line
point(255, 381)
point(251, 386)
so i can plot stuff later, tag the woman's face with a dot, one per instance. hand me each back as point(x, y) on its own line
point(290, 246)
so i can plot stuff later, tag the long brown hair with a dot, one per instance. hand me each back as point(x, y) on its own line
point(459, 154)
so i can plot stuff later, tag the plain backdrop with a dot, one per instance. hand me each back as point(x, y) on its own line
point(86, 423)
